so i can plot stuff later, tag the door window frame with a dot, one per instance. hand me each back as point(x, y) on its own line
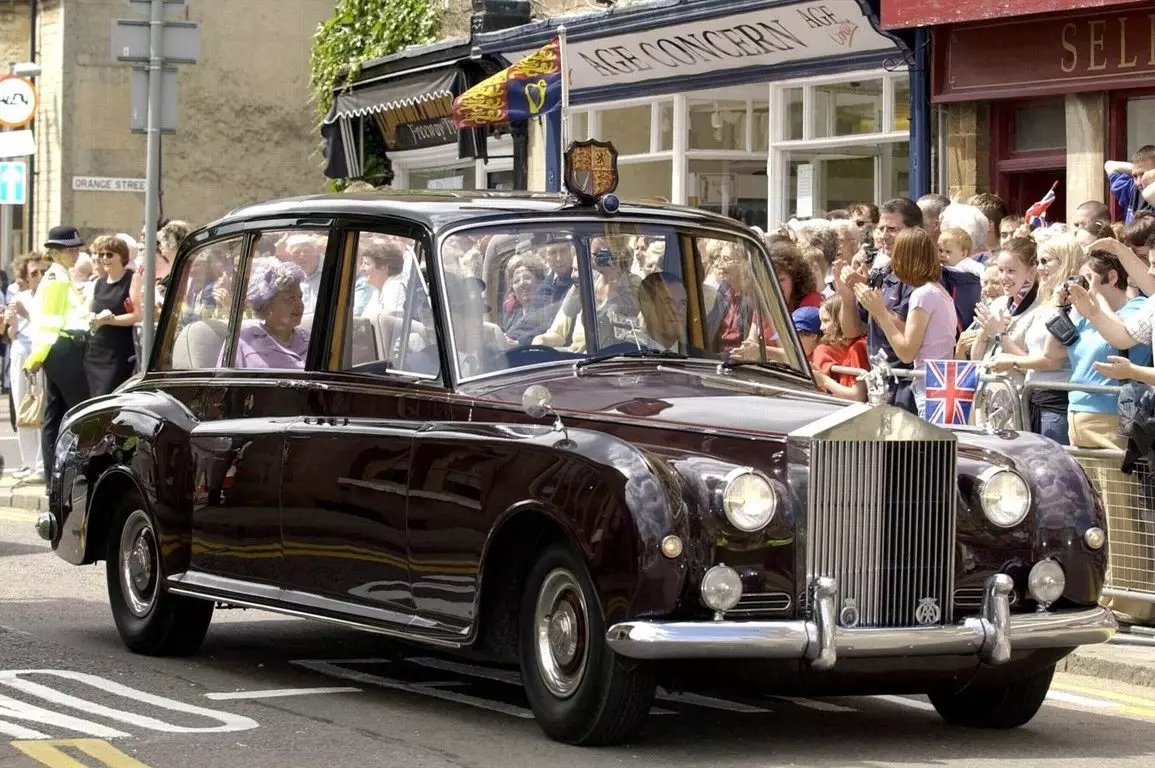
point(1004, 160)
point(346, 235)
point(1117, 136)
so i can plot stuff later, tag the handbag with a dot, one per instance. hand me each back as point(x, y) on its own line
point(31, 411)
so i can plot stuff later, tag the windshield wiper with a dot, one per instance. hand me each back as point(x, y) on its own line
point(772, 365)
point(638, 353)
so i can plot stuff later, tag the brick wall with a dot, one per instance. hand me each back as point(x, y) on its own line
point(968, 149)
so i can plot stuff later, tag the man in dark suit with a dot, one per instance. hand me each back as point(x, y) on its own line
point(662, 302)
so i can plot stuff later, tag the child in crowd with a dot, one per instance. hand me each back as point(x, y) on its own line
point(836, 349)
point(954, 248)
point(809, 329)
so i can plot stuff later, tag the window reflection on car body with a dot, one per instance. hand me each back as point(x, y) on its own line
point(773, 365)
point(659, 353)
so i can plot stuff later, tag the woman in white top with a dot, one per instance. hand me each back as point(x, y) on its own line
point(28, 269)
point(1003, 324)
point(929, 332)
point(1059, 257)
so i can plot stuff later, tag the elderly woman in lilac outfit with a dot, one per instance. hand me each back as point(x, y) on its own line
point(275, 296)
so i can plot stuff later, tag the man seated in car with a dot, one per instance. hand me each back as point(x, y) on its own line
point(615, 291)
point(663, 302)
point(277, 341)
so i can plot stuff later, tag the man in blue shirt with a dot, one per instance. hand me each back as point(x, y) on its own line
point(1124, 179)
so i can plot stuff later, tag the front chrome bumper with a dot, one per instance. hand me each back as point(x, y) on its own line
point(991, 636)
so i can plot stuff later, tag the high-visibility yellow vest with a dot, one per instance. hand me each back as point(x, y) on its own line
point(60, 308)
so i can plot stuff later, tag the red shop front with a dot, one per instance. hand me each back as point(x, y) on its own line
point(1053, 95)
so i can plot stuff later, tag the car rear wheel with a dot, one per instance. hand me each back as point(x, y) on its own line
point(150, 620)
point(580, 691)
point(1005, 706)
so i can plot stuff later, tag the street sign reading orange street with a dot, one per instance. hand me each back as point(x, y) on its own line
point(17, 101)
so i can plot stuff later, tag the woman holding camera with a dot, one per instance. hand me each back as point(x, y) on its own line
point(1058, 259)
point(1093, 421)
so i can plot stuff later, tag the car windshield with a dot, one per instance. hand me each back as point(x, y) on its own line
point(537, 293)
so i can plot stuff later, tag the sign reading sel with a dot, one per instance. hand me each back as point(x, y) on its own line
point(107, 184)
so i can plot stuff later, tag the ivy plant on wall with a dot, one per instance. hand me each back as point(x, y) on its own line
point(358, 31)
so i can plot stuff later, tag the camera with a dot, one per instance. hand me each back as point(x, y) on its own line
point(876, 278)
point(603, 257)
point(1072, 280)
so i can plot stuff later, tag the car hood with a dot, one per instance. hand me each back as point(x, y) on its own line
point(669, 397)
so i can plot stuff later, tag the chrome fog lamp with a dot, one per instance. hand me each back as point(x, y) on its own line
point(721, 588)
point(1046, 582)
point(1095, 537)
point(748, 500)
point(1005, 496)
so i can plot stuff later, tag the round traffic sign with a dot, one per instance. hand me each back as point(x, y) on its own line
point(17, 101)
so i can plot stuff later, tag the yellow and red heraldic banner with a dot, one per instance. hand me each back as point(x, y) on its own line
point(529, 88)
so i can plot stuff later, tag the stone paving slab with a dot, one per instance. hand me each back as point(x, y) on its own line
point(22, 496)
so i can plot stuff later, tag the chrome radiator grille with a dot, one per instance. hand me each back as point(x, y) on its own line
point(881, 521)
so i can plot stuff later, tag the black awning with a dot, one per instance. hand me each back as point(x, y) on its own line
point(400, 91)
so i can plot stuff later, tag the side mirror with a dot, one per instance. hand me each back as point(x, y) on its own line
point(537, 402)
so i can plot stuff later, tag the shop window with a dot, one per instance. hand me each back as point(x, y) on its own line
point(792, 111)
point(645, 181)
point(579, 126)
point(1042, 125)
point(847, 109)
point(628, 128)
point(1140, 119)
point(459, 177)
point(761, 117)
point(665, 120)
point(736, 188)
point(499, 180)
point(899, 185)
point(901, 104)
point(718, 125)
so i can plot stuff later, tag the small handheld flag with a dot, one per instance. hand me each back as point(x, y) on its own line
point(950, 391)
point(529, 88)
point(1036, 215)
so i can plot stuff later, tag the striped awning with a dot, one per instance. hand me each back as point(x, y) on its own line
point(404, 90)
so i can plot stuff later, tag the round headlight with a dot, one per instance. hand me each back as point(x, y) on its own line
point(1005, 496)
point(748, 501)
point(721, 588)
point(1046, 581)
point(1095, 537)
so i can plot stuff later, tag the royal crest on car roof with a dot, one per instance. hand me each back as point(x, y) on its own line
point(591, 169)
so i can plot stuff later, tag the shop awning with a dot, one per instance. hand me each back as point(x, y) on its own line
point(408, 98)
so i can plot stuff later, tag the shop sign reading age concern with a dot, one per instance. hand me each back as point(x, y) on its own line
point(756, 39)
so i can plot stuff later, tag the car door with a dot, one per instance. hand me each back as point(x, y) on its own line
point(347, 460)
point(247, 407)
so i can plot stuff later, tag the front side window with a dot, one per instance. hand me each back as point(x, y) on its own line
point(200, 299)
point(523, 295)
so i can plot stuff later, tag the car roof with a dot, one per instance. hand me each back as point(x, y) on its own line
point(439, 210)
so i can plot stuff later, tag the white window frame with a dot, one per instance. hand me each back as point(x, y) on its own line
point(444, 157)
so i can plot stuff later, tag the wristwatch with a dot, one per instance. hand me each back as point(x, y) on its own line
point(998, 338)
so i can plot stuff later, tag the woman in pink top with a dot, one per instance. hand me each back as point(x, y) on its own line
point(928, 333)
point(274, 294)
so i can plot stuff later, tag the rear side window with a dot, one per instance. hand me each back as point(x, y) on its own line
point(201, 296)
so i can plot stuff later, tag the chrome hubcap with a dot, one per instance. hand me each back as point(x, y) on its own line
point(138, 564)
point(560, 617)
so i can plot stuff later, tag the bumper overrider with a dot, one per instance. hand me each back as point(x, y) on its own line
point(991, 636)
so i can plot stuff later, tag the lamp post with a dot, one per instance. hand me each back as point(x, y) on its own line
point(19, 69)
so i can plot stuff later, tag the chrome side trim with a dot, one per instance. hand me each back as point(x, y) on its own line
point(990, 638)
point(307, 605)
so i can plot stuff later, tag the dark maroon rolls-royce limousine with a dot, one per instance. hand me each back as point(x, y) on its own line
point(571, 435)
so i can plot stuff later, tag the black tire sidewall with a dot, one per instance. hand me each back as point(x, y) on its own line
point(135, 630)
point(564, 719)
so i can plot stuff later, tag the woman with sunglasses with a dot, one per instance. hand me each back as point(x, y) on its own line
point(111, 354)
point(28, 270)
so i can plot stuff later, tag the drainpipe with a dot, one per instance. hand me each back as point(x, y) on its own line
point(30, 207)
point(920, 132)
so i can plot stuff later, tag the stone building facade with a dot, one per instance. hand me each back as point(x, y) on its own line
point(245, 127)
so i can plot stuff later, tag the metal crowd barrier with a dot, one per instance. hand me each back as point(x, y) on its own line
point(1128, 498)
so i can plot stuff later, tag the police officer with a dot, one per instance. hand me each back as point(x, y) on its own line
point(59, 333)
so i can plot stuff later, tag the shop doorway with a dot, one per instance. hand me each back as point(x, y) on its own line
point(1029, 153)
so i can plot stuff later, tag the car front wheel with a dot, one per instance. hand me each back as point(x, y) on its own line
point(581, 692)
point(150, 620)
point(1004, 706)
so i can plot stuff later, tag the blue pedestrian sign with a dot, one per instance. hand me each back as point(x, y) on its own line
point(13, 182)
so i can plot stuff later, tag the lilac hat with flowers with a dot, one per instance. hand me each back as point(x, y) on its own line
point(270, 276)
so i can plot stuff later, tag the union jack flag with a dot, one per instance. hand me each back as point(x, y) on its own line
point(950, 391)
point(1036, 215)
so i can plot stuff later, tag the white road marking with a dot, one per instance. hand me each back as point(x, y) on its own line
point(17, 710)
point(485, 673)
point(709, 702)
point(1080, 701)
point(20, 732)
point(277, 693)
point(332, 669)
point(815, 704)
point(14, 678)
point(902, 701)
